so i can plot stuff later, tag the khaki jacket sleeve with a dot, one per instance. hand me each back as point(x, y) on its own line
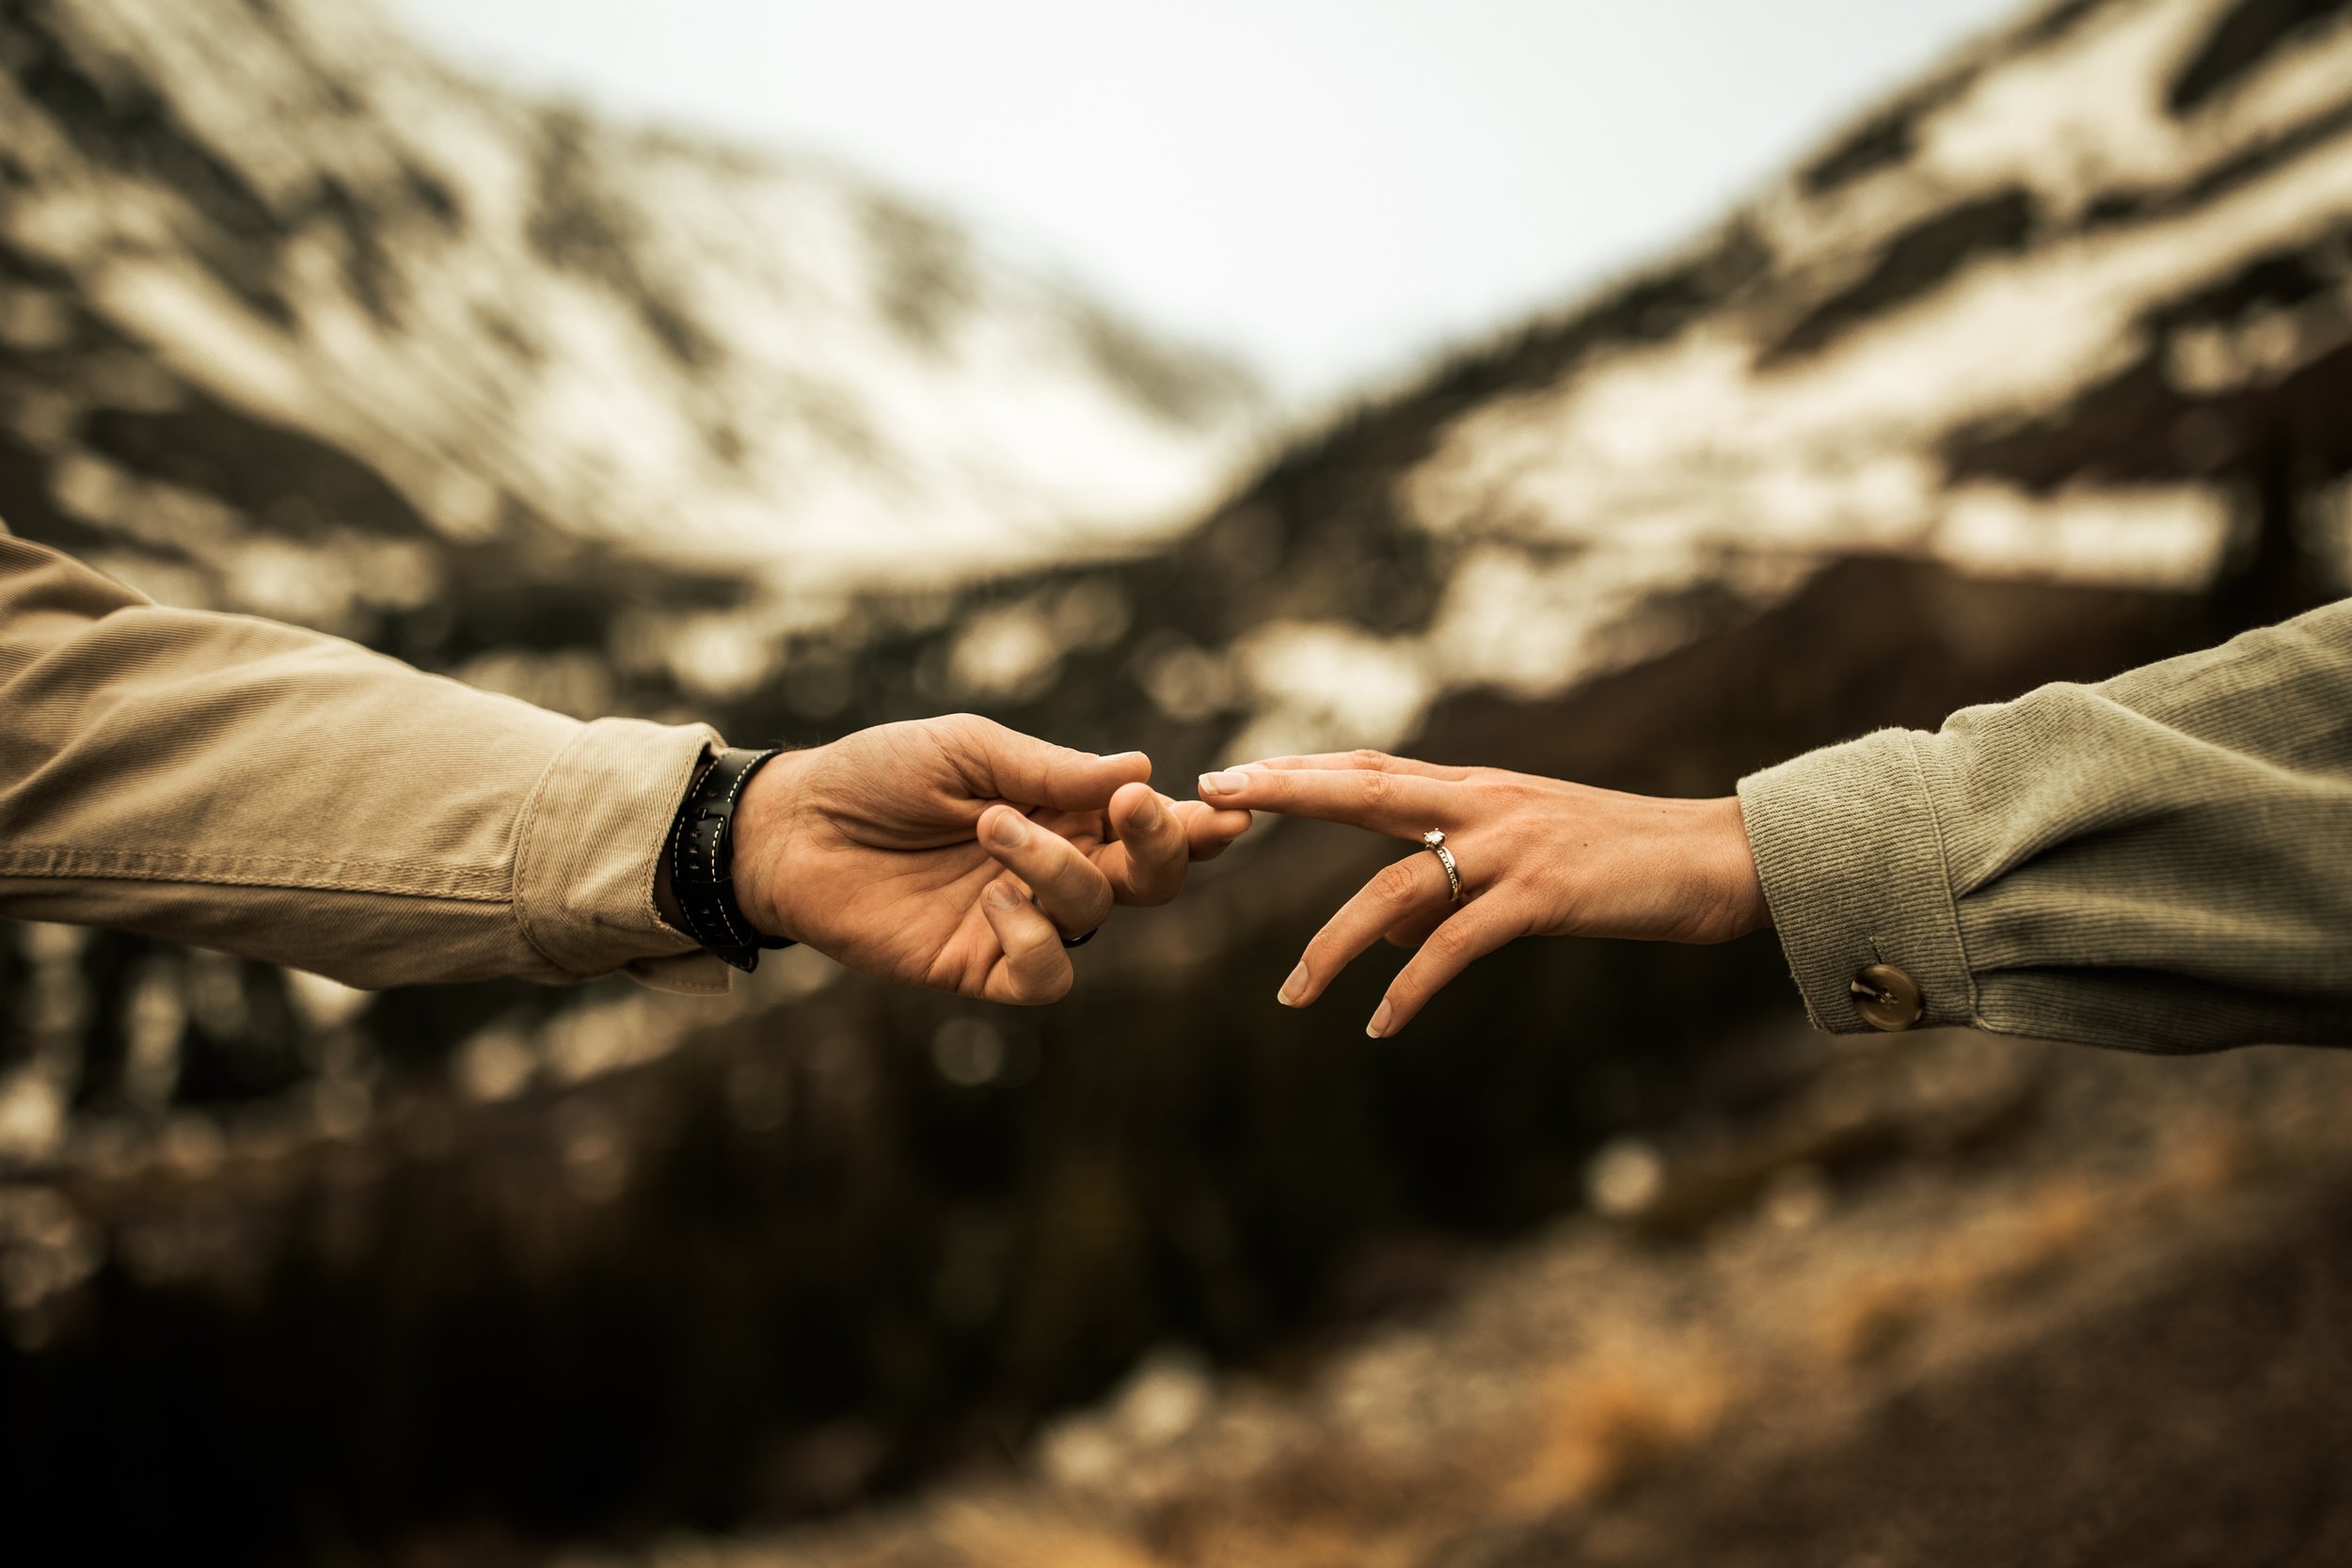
point(2160, 862)
point(248, 786)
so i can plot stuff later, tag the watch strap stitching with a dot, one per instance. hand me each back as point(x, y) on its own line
point(704, 891)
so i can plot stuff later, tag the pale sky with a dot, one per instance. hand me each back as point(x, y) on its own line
point(1333, 189)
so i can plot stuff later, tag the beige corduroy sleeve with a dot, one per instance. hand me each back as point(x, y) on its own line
point(272, 792)
point(2161, 861)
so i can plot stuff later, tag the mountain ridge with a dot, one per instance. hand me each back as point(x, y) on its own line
point(503, 301)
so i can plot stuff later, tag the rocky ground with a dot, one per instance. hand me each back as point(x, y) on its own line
point(1940, 1299)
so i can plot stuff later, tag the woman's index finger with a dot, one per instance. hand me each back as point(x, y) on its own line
point(1404, 806)
point(1359, 761)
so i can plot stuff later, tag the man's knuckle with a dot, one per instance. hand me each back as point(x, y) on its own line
point(1147, 879)
point(1028, 975)
point(1368, 760)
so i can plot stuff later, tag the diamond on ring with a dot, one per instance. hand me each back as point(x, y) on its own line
point(1434, 841)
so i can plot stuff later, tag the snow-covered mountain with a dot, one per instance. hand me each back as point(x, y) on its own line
point(2080, 304)
point(287, 215)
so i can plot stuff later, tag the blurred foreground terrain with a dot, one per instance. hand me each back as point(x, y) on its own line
point(2038, 372)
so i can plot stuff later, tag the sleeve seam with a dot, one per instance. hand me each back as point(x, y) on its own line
point(66, 863)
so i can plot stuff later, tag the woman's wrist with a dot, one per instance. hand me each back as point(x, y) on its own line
point(1740, 889)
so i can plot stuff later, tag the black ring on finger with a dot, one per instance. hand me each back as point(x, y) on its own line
point(1066, 942)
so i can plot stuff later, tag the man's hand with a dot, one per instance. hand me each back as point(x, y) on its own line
point(1539, 857)
point(958, 854)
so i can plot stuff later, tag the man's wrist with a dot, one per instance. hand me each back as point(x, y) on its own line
point(767, 823)
point(701, 856)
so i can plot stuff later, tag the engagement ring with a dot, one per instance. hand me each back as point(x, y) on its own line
point(1434, 841)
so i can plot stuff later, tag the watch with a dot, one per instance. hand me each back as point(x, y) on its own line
point(702, 860)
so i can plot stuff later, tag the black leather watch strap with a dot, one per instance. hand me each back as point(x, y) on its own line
point(702, 860)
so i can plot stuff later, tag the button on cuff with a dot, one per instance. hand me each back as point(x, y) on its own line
point(1853, 867)
point(1888, 998)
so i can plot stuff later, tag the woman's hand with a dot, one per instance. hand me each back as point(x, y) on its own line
point(957, 854)
point(1538, 857)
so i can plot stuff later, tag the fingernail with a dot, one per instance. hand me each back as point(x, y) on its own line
point(1004, 895)
point(1380, 1024)
point(1224, 783)
point(1293, 988)
point(1124, 756)
point(1010, 831)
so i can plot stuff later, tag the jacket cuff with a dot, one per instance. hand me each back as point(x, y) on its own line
point(589, 845)
point(1846, 847)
